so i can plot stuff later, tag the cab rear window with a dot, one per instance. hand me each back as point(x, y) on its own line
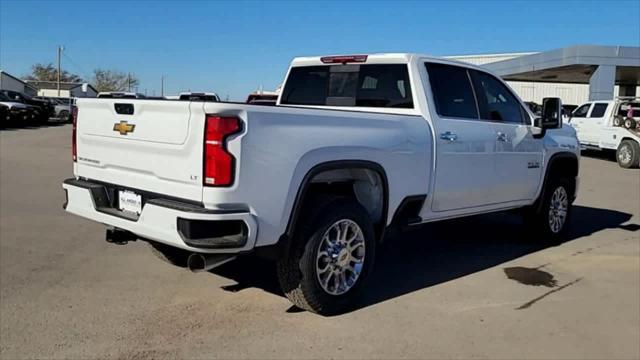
point(385, 86)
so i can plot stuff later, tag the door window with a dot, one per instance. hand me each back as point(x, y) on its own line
point(582, 111)
point(495, 101)
point(452, 92)
point(598, 110)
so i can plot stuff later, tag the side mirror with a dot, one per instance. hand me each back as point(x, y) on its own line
point(551, 117)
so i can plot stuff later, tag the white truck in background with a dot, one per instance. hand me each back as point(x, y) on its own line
point(199, 96)
point(357, 145)
point(606, 125)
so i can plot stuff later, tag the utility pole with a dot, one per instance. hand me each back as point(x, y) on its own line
point(162, 85)
point(129, 82)
point(60, 49)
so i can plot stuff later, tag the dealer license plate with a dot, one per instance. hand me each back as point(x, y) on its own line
point(129, 201)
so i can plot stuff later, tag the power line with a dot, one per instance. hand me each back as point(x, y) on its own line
point(83, 72)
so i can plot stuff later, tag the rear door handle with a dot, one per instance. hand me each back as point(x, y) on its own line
point(502, 137)
point(449, 136)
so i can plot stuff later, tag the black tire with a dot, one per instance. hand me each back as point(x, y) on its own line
point(297, 272)
point(537, 218)
point(169, 254)
point(628, 154)
point(63, 115)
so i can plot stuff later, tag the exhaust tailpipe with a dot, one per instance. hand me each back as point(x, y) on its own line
point(205, 262)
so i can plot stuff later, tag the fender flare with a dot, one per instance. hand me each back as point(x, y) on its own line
point(552, 160)
point(281, 248)
point(303, 188)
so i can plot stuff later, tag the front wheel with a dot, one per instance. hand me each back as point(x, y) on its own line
point(628, 154)
point(548, 220)
point(330, 257)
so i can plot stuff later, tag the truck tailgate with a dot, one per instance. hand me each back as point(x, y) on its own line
point(150, 145)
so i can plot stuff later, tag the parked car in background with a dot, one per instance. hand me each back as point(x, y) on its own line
point(120, 95)
point(42, 110)
point(568, 108)
point(50, 100)
point(199, 96)
point(566, 112)
point(15, 113)
point(4, 114)
point(535, 108)
point(358, 146)
point(610, 125)
point(61, 107)
point(64, 108)
point(262, 98)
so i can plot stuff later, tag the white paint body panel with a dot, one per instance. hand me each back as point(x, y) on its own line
point(279, 145)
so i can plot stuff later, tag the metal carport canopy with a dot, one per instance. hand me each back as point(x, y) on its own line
point(574, 64)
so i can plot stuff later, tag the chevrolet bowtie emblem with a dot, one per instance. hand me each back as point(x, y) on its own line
point(123, 127)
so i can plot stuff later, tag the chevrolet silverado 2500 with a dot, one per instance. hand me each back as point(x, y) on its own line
point(357, 145)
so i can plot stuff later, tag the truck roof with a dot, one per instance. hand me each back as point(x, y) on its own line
point(379, 58)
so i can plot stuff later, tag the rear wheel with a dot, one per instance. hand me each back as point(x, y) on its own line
point(330, 257)
point(628, 154)
point(64, 115)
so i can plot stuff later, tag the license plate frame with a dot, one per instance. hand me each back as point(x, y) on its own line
point(129, 202)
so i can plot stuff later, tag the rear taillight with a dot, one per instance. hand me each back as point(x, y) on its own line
point(219, 164)
point(74, 133)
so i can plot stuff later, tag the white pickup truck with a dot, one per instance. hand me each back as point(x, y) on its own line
point(356, 146)
point(609, 125)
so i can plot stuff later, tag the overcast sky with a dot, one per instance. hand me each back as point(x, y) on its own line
point(234, 47)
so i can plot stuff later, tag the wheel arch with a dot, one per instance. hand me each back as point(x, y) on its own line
point(328, 166)
point(564, 164)
point(303, 193)
point(629, 137)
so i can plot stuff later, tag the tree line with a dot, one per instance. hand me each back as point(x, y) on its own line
point(102, 79)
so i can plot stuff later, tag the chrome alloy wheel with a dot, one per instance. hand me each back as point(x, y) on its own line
point(340, 257)
point(624, 154)
point(558, 209)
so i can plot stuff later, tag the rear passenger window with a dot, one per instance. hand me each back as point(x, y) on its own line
point(385, 85)
point(581, 111)
point(452, 91)
point(598, 110)
point(495, 101)
point(306, 86)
